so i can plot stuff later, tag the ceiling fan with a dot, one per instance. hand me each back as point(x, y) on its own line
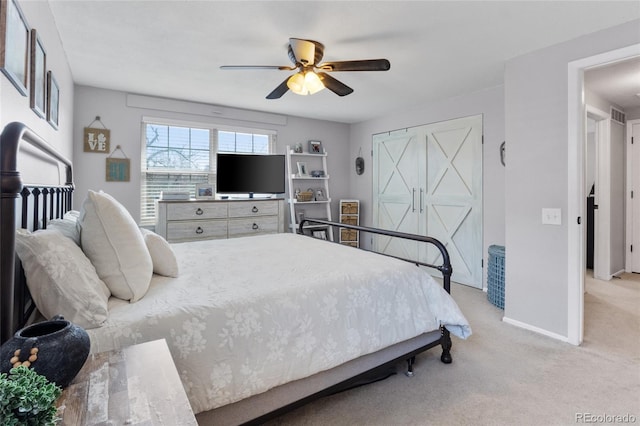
point(312, 74)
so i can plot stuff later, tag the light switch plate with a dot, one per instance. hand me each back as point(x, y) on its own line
point(551, 216)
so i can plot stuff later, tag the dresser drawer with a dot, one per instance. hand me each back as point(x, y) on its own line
point(190, 211)
point(196, 230)
point(249, 209)
point(251, 226)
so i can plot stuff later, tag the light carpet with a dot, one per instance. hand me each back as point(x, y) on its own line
point(504, 375)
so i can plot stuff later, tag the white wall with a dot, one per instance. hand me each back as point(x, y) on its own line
point(536, 127)
point(487, 102)
point(125, 125)
point(15, 107)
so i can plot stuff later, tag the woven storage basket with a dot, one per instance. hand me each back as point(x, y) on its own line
point(495, 276)
point(305, 196)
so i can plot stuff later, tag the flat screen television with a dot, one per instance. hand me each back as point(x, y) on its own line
point(250, 174)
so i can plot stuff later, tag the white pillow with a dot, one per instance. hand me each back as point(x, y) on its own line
point(162, 255)
point(68, 226)
point(112, 241)
point(61, 279)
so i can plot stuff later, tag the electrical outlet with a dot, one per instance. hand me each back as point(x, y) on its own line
point(552, 216)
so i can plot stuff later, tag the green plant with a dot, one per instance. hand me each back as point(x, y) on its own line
point(27, 398)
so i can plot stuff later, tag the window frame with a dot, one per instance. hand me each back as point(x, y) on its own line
point(213, 128)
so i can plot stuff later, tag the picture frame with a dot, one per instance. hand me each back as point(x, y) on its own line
point(302, 169)
point(53, 101)
point(315, 147)
point(319, 194)
point(96, 140)
point(118, 170)
point(38, 76)
point(14, 45)
point(205, 191)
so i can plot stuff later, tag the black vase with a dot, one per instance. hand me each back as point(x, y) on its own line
point(60, 348)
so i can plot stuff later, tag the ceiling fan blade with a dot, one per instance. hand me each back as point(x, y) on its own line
point(334, 85)
point(362, 65)
point(257, 67)
point(279, 91)
point(306, 52)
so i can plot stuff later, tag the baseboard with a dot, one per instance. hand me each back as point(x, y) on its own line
point(617, 274)
point(535, 329)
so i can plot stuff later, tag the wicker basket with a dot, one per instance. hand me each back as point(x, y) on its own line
point(495, 276)
point(305, 196)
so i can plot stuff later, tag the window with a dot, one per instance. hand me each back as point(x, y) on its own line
point(175, 157)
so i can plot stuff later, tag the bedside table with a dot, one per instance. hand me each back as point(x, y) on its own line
point(135, 385)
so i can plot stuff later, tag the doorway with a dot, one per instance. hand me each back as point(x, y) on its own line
point(576, 204)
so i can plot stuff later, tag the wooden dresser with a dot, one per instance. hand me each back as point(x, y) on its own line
point(208, 219)
point(138, 385)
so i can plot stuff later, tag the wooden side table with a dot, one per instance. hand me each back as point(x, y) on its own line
point(136, 385)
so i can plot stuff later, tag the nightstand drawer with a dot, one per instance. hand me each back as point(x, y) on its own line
point(251, 226)
point(190, 211)
point(249, 209)
point(196, 230)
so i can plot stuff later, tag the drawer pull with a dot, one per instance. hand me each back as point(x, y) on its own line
point(199, 230)
point(255, 226)
point(199, 211)
point(254, 209)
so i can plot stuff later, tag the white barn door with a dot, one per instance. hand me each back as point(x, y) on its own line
point(453, 199)
point(428, 181)
point(396, 178)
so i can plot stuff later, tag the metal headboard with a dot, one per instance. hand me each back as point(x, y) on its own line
point(39, 203)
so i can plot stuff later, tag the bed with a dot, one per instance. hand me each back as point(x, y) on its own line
point(256, 325)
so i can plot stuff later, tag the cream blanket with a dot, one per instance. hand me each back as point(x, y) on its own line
point(249, 314)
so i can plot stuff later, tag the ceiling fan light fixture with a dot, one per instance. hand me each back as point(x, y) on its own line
point(313, 82)
point(305, 83)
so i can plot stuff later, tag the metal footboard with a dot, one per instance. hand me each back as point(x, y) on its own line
point(445, 268)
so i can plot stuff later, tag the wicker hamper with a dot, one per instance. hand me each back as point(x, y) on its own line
point(495, 276)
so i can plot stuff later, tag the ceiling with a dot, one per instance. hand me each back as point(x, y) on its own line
point(618, 82)
point(437, 49)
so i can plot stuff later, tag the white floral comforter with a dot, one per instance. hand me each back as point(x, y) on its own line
point(249, 314)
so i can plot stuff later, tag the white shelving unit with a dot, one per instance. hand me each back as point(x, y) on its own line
point(300, 166)
point(350, 215)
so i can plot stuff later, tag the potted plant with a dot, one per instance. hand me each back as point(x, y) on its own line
point(27, 398)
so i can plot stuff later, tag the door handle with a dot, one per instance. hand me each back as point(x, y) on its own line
point(413, 200)
point(421, 202)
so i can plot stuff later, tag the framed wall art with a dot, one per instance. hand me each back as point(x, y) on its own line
point(96, 140)
point(53, 100)
point(38, 76)
point(14, 45)
point(118, 169)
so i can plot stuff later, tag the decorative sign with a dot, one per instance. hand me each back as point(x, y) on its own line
point(96, 140)
point(118, 169)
